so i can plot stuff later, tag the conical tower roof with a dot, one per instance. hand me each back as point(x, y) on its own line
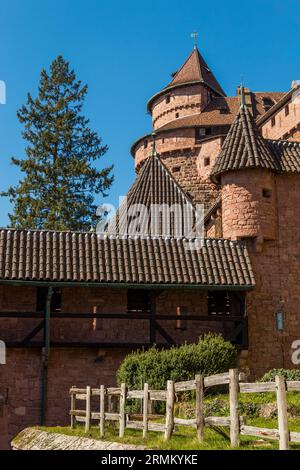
point(195, 69)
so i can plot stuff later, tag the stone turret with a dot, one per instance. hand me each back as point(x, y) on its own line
point(188, 93)
point(245, 168)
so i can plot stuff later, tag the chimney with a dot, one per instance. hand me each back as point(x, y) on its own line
point(248, 97)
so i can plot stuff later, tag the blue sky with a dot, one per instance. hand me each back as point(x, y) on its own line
point(126, 50)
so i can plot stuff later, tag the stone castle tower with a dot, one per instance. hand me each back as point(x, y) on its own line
point(184, 130)
point(191, 117)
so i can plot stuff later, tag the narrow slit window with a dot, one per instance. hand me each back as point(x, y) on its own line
point(267, 193)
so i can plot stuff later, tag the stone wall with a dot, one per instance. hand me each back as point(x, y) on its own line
point(207, 156)
point(248, 204)
point(178, 102)
point(20, 378)
point(285, 124)
point(275, 264)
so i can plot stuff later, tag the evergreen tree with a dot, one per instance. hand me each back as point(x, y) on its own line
point(60, 179)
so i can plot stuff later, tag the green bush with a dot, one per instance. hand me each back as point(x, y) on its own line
point(211, 355)
point(288, 374)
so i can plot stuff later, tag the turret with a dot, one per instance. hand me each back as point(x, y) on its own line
point(176, 111)
point(245, 169)
point(190, 90)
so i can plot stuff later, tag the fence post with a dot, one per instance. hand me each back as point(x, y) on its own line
point(102, 410)
point(145, 410)
point(88, 409)
point(73, 407)
point(234, 407)
point(200, 407)
point(283, 422)
point(170, 409)
point(109, 404)
point(122, 410)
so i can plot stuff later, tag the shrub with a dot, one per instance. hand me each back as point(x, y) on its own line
point(288, 374)
point(216, 407)
point(211, 355)
point(249, 409)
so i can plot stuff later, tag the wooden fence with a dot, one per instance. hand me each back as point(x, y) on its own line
point(112, 407)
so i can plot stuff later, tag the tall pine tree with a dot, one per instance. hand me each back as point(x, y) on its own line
point(60, 179)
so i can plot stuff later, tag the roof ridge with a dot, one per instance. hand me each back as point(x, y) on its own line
point(131, 237)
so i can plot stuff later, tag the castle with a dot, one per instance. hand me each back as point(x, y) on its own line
point(73, 304)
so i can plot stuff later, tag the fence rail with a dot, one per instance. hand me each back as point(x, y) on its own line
point(112, 407)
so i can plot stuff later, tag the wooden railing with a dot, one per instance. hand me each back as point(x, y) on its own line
point(148, 422)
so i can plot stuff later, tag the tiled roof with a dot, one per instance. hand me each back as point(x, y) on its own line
point(195, 69)
point(244, 147)
point(154, 185)
point(213, 114)
point(30, 255)
point(286, 154)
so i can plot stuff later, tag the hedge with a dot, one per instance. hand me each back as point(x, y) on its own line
point(288, 374)
point(210, 355)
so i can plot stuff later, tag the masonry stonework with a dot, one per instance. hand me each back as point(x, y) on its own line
point(178, 102)
point(249, 204)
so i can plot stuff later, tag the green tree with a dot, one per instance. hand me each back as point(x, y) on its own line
point(60, 179)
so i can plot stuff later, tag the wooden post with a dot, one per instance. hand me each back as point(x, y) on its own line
point(88, 409)
point(234, 407)
point(109, 404)
point(122, 410)
point(102, 409)
point(283, 422)
point(152, 335)
point(200, 407)
point(170, 409)
point(145, 410)
point(73, 407)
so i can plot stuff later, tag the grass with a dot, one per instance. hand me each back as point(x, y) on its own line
point(185, 438)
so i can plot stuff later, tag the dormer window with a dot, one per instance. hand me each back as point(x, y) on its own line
point(168, 99)
point(267, 103)
point(145, 144)
point(201, 132)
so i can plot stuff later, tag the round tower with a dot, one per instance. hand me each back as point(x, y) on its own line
point(182, 126)
point(176, 110)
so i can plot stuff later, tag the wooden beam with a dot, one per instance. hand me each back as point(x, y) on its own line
point(152, 330)
point(34, 332)
point(163, 333)
point(124, 316)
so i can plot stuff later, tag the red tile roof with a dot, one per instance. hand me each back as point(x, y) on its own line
point(153, 185)
point(244, 147)
point(45, 256)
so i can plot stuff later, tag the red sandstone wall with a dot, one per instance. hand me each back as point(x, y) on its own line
point(245, 210)
point(20, 378)
point(176, 140)
point(209, 152)
point(286, 127)
point(275, 263)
